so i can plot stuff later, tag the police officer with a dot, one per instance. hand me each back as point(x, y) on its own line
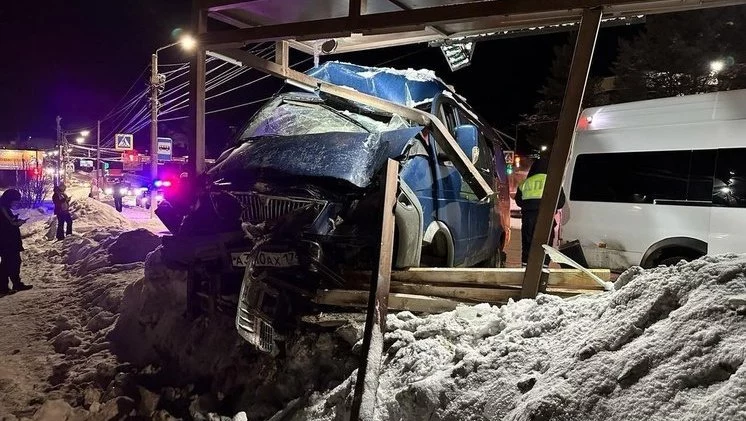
point(528, 197)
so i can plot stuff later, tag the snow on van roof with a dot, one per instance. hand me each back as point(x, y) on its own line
point(727, 105)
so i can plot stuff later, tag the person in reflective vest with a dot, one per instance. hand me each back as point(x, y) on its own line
point(527, 197)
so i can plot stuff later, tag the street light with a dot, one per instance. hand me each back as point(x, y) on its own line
point(717, 66)
point(157, 81)
point(85, 133)
point(79, 140)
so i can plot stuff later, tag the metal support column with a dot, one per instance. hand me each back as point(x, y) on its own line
point(576, 81)
point(366, 386)
point(197, 79)
point(98, 159)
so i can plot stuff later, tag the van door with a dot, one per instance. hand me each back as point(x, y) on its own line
point(452, 207)
point(728, 216)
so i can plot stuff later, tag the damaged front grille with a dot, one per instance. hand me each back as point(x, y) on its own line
point(258, 208)
point(256, 297)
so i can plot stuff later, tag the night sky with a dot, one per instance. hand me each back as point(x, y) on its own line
point(77, 58)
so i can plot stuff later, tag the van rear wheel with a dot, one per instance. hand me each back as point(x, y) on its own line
point(674, 258)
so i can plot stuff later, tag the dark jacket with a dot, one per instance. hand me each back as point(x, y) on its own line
point(61, 201)
point(10, 231)
point(529, 193)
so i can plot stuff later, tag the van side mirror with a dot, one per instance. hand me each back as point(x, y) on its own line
point(466, 137)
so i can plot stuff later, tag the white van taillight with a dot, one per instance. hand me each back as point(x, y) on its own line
point(584, 122)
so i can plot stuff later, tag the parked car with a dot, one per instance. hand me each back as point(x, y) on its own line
point(653, 182)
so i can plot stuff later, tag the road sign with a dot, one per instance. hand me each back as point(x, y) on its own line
point(165, 148)
point(123, 142)
point(86, 163)
point(509, 157)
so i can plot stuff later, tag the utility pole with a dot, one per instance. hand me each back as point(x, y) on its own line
point(58, 177)
point(98, 159)
point(154, 88)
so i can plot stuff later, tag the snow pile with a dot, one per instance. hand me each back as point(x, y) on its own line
point(153, 329)
point(57, 358)
point(667, 345)
point(91, 213)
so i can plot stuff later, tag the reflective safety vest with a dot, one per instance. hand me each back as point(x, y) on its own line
point(533, 187)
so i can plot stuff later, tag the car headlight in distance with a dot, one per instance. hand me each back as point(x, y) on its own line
point(108, 190)
point(123, 191)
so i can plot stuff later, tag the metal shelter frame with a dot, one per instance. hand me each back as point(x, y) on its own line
point(337, 26)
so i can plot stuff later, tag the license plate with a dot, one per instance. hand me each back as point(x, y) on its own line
point(277, 260)
point(240, 260)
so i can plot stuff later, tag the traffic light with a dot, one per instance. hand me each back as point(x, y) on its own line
point(509, 169)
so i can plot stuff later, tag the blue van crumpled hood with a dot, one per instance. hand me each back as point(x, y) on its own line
point(351, 157)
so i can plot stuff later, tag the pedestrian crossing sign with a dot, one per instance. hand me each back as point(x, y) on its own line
point(123, 142)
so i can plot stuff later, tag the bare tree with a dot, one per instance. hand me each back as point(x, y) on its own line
point(32, 183)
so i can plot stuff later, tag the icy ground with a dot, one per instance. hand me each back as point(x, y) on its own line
point(102, 336)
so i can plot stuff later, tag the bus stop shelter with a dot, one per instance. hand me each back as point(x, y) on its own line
point(331, 27)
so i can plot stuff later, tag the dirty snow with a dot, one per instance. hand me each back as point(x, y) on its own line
point(668, 345)
point(103, 336)
point(55, 351)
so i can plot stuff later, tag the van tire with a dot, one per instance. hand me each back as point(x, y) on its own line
point(673, 250)
point(673, 257)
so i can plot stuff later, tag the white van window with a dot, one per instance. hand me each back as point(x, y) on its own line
point(634, 177)
point(701, 169)
point(730, 178)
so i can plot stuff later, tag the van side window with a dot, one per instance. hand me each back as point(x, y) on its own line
point(701, 169)
point(631, 177)
point(729, 188)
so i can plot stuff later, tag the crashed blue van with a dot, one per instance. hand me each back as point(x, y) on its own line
point(306, 170)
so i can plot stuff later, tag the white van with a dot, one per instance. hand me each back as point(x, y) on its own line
point(653, 182)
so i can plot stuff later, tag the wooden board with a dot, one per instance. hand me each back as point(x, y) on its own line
point(473, 295)
point(397, 301)
point(486, 277)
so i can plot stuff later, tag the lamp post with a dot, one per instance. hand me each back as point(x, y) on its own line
point(64, 149)
point(156, 84)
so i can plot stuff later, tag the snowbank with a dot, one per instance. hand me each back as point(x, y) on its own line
point(667, 345)
point(56, 353)
point(154, 330)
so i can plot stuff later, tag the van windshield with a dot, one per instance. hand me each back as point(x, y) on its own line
point(293, 118)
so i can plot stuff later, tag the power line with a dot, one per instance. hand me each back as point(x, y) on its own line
point(239, 105)
point(127, 93)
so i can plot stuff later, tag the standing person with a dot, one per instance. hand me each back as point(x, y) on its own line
point(527, 197)
point(11, 244)
point(117, 194)
point(62, 210)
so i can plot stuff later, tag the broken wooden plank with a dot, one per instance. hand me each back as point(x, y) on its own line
point(474, 295)
point(485, 277)
point(366, 386)
point(334, 319)
point(397, 301)
point(571, 292)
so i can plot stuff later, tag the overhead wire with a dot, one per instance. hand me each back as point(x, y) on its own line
point(140, 119)
point(126, 93)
